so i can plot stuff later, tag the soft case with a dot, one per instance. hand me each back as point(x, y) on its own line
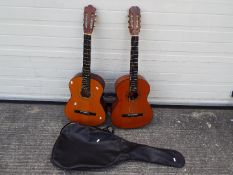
point(83, 148)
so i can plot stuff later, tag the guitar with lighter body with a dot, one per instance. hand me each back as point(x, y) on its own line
point(84, 105)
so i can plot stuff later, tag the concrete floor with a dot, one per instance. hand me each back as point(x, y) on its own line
point(204, 136)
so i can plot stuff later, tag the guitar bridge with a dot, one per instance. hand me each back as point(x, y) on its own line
point(85, 112)
point(132, 115)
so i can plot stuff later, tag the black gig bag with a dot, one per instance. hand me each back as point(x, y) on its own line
point(83, 148)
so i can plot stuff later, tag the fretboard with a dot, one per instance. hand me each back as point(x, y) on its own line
point(86, 72)
point(134, 65)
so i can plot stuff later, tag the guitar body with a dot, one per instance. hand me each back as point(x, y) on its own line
point(138, 110)
point(86, 110)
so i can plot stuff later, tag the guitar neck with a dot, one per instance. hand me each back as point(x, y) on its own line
point(86, 71)
point(134, 64)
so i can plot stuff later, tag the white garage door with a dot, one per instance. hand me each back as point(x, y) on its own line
point(186, 48)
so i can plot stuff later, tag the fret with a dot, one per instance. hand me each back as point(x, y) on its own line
point(134, 52)
point(86, 56)
point(86, 62)
point(87, 41)
point(87, 50)
point(86, 46)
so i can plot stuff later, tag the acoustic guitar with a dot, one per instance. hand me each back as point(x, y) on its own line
point(131, 108)
point(84, 105)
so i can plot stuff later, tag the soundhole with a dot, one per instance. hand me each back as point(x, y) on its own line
point(85, 112)
point(133, 95)
point(85, 93)
point(132, 115)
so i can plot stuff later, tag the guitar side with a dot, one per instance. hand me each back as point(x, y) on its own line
point(138, 110)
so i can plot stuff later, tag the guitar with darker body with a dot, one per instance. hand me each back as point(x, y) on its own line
point(131, 108)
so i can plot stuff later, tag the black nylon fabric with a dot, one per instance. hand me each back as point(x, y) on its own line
point(81, 147)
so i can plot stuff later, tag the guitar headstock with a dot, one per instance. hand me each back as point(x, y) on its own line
point(89, 19)
point(134, 20)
